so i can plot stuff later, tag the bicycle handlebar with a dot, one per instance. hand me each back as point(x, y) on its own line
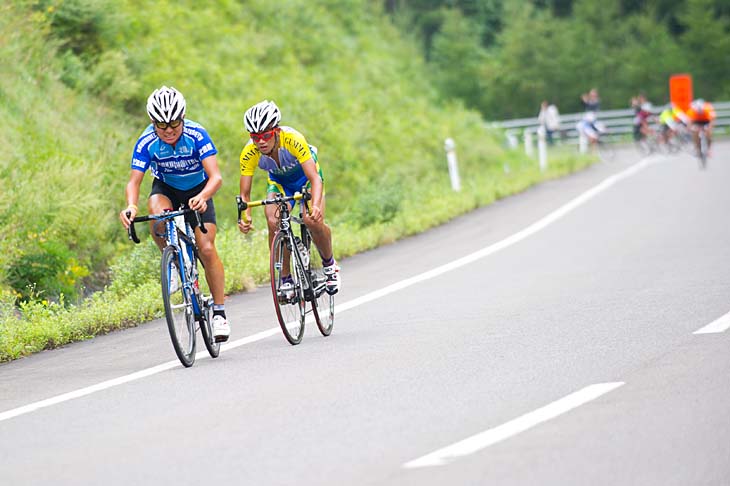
point(132, 234)
point(278, 199)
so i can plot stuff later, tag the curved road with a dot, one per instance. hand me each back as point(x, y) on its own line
point(570, 335)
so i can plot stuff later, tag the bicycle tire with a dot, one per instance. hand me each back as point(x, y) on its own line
point(703, 150)
point(290, 311)
point(606, 151)
point(323, 304)
point(206, 328)
point(178, 308)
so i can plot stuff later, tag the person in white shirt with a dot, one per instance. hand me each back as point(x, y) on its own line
point(549, 119)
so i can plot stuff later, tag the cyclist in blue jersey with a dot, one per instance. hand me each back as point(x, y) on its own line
point(182, 159)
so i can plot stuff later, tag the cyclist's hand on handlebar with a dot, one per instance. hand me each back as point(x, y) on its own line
point(127, 215)
point(198, 203)
point(245, 224)
point(315, 214)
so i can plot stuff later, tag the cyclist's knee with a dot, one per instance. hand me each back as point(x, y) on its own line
point(206, 248)
point(272, 223)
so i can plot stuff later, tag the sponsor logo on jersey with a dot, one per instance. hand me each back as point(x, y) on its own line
point(180, 164)
point(142, 143)
point(206, 148)
point(194, 133)
point(298, 146)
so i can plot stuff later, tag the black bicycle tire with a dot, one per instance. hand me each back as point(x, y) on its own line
point(703, 149)
point(206, 329)
point(186, 357)
point(278, 243)
point(324, 325)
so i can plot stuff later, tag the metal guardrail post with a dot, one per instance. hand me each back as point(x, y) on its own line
point(527, 135)
point(582, 143)
point(542, 148)
point(450, 147)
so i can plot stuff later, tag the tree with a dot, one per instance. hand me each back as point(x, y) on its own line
point(706, 44)
point(458, 57)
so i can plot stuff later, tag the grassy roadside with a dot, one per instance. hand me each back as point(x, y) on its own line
point(134, 296)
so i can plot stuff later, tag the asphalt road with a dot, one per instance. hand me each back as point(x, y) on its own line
point(550, 338)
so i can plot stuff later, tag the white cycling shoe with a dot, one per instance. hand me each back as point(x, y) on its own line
point(286, 291)
point(221, 329)
point(332, 273)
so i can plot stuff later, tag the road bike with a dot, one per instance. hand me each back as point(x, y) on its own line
point(296, 278)
point(187, 309)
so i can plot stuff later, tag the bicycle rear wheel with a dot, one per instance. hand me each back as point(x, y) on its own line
point(178, 308)
point(323, 304)
point(206, 329)
point(606, 150)
point(703, 150)
point(324, 308)
point(290, 305)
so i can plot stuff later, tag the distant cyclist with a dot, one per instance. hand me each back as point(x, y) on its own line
point(671, 120)
point(643, 116)
point(589, 128)
point(291, 163)
point(701, 115)
point(182, 159)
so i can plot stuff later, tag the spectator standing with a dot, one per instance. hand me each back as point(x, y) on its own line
point(591, 101)
point(549, 119)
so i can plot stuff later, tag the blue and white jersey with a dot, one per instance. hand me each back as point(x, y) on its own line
point(180, 166)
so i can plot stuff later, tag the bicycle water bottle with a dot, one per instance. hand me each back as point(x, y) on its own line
point(302, 251)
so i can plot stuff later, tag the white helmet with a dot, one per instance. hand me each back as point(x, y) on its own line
point(165, 104)
point(698, 104)
point(261, 116)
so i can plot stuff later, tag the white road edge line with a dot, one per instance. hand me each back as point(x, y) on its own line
point(719, 325)
point(497, 434)
point(484, 252)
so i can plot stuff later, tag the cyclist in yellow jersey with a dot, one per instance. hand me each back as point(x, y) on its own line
point(291, 164)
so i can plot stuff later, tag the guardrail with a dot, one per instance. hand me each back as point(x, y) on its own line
point(620, 124)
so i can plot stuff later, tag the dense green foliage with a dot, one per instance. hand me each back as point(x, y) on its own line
point(75, 77)
point(503, 57)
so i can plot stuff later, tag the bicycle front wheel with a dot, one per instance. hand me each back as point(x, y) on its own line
point(178, 308)
point(289, 302)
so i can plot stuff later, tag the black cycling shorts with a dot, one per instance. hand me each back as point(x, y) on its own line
point(179, 197)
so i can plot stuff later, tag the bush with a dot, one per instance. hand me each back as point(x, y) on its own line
point(379, 203)
point(77, 25)
point(48, 270)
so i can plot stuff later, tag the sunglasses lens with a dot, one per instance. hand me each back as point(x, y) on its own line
point(173, 124)
point(265, 136)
